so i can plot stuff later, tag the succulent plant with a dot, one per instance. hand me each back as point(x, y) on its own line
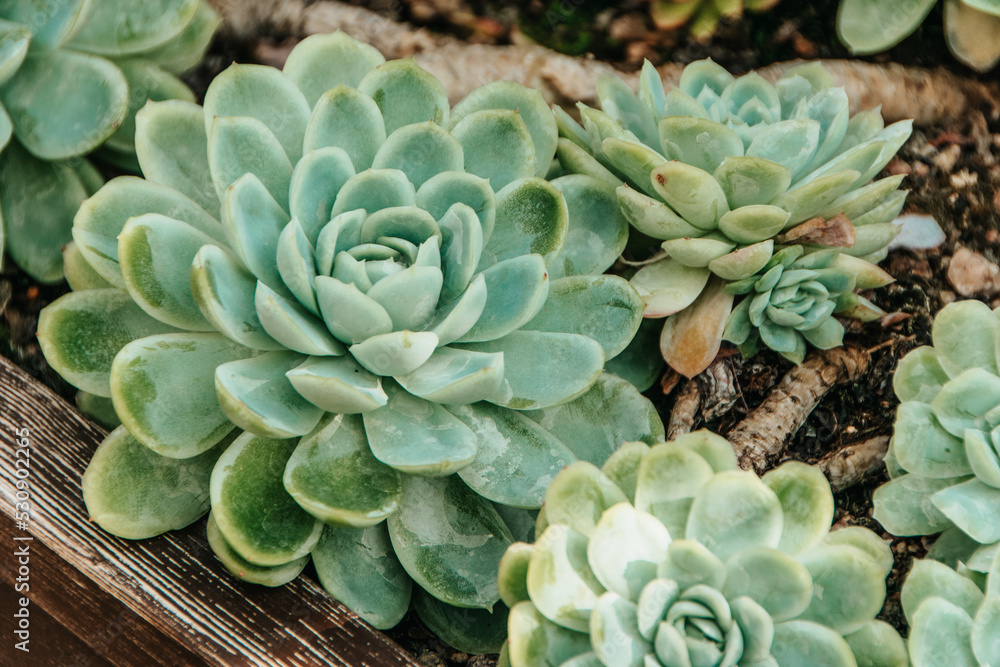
point(971, 27)
point(702, 15)
point(720, 173)
point(789, 302)
point(670, 555)
point(72, 75)
point(944, 457)
point(953, 609)
point(392, 295)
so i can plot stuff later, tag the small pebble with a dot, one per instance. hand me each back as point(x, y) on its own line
point(970, 274)
point(964, 179)
point(948, 157)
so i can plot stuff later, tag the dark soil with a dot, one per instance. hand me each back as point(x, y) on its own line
point(952, 169)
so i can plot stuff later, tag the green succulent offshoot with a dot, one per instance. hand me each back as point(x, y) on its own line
point(944, 457)
point(971, 27)
point(73, 74)
point(330, 293)
point(952, 604)
point(670, 555)
point(702, 16)
point(720, 174)
point(789, 302)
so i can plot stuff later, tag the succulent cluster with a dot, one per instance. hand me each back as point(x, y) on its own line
point(971, 27)
point(670, 555)
point(953, 609)
point(721, 173)
point(330, 292)
point(945, 453)
point(73, 73)
point(703, 16)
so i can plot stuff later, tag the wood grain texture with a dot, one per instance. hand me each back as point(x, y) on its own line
point(760, 439)
point(176, 604)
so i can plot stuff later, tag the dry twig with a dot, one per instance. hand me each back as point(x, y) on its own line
point(760, 438)
point(685, 411)
point(847, 466)
point(904, 92)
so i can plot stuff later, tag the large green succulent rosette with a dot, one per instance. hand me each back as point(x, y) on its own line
point(73, 73)
point(390, 295)
point(952, 604)
point(670, 555)
point(944, 457)
point(720, 173)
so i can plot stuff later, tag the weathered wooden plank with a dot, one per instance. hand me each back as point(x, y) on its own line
point(173, 582)
point(61, 649)
point(74, 623)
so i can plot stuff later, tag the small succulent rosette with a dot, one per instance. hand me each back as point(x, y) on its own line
point(953, 608)
point(790, 302)
point(73, 73)
point(719, 174)
point(391, 294)
point(670, 555)
point(971, 27)
point(944, 457)
point(702, 16)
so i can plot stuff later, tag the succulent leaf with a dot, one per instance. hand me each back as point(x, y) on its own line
point(107, 319)
point(258, 397)
point(226, 294)
point(135, 493)
point(468, 630)
point(99, 91)
point(238, 566)
point(142, 381)
point(449, 540)
point(172, 150)
point(589, 436)
point(511, 450)
point(247, 492)
point(155, 253)
point(359, 567)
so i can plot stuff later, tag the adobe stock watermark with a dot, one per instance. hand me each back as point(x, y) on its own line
point(22, 542)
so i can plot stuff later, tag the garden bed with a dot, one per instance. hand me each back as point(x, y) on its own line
point(169, 600)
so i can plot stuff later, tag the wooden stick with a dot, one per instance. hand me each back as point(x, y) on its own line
point(685, 411)
point(760, 438)
point(170, 591)
point(849, 465)
point(903, 92)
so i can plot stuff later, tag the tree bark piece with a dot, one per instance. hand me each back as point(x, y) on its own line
point(685, 411)
point(761, 438)
point(926, 95)
point(847, 466)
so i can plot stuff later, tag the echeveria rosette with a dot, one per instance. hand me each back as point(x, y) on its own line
point(944, 456)
point(952, 604)
point(790, 302)
point(702, 16)
point(670, 555)
point(971, 27)
point(73, 73)
point(720, 172)
point(391, 294)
